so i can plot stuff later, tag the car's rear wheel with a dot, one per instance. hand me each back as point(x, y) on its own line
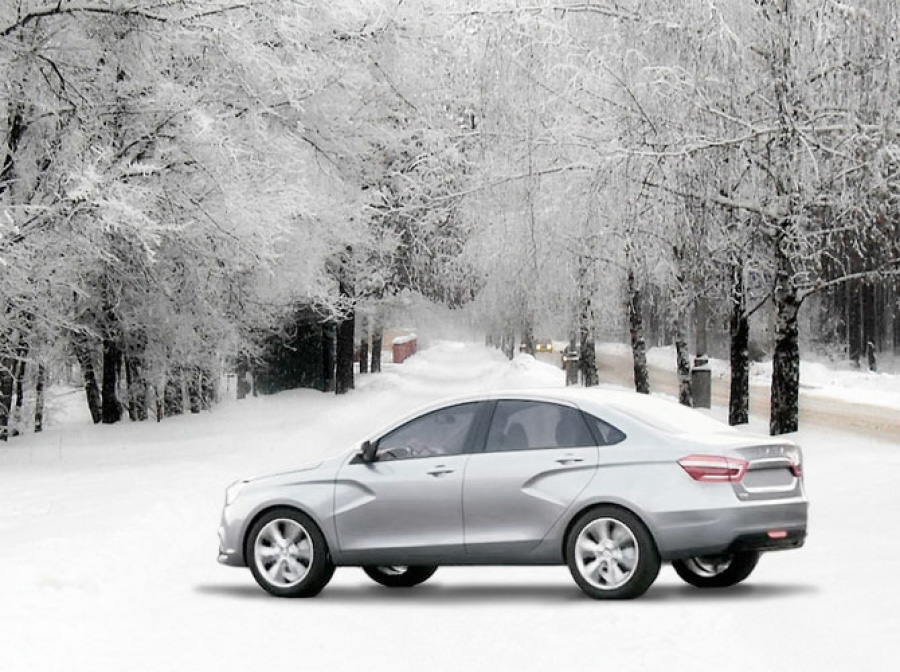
point(611, 554)
point(287, 554)
point(717, 571)
point(399, 576)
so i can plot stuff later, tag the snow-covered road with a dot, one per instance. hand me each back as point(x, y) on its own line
point(107, 558)
point(864, 402)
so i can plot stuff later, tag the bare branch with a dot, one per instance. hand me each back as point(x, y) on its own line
point(880, 272)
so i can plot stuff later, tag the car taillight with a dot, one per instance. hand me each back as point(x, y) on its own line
point(797, 469)
point(714, 468)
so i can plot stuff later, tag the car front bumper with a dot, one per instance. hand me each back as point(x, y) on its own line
point(230, 552)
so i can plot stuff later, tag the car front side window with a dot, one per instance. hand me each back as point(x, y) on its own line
point(531, 425)
point(443, 432)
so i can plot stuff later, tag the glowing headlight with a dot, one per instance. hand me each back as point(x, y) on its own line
point(232, 491)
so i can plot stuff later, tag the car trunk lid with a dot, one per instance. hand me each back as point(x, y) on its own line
point(774, 471)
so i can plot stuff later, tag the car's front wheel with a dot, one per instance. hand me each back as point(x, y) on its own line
point(611, 554)
point(399, 576)
point(717, 571)
point(287, 554)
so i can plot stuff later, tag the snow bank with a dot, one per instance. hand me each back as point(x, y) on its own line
point(861, 387)
point(451, 367)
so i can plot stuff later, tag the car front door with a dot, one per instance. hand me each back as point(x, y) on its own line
point(537, 458)
point(406, 506)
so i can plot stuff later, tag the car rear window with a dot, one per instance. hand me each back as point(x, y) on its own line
point(604, 433)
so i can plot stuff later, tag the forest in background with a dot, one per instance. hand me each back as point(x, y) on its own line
point(182, 181)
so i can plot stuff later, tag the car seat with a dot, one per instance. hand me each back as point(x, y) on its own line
point(515, 437)
point(567, 434)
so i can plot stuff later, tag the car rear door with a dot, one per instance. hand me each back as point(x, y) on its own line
point(537, 458)
point(407, 505)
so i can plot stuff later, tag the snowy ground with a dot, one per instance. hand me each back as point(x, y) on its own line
point(109, 543)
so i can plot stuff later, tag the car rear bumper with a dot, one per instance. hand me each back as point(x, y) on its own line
point(764, 542)
point(761, 526)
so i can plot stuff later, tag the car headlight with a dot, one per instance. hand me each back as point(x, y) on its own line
point(233, 491)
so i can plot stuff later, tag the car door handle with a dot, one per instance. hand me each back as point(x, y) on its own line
point(570, 459)
point(440, 470)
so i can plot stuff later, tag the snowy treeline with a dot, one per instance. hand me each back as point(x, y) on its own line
point(178, 179)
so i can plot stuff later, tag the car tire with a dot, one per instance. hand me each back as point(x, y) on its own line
point(399, 576)
point(288, 555)
point(611, 554)
point(717, 571)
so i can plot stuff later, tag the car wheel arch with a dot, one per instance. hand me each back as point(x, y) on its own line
point(274, 506)
point(576, 514)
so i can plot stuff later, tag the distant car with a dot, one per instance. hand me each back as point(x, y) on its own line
point(611, 484)
point(543, 346)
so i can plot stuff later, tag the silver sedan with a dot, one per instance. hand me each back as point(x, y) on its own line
point(611, 484)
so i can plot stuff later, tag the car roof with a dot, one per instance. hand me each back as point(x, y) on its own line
point(600, 400)
point(613, 405)
point(638, 415)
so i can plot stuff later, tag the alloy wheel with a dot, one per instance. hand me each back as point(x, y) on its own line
point(606, 553)
point(283, 552)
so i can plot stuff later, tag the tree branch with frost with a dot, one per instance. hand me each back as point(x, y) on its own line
point(889, 268)
point(722, 201)
point(62, 9)
point(575, 167)
point(610, 11)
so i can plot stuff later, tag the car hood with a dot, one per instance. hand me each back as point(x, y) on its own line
point(323, 470)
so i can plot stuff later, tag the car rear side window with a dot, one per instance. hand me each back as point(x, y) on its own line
point(442, 432)
point(604, 432)
point(530, 425)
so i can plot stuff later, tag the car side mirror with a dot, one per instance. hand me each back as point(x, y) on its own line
point(368, 451)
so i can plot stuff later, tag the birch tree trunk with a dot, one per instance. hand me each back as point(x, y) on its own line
point(111, 409)
point(39, 400)
point(702, 317)
point(638, 345)
point(783, 417)
point(173, 395)
point(208, 388)
point(328, 338)
point(364, 345)
point(343, 380)
point(7, 364)
point(509, 344)
point(377, 337)
point(15, 128)
point(739, 328)
point(19, 389)
point(193, 389)
point(91, 388)
point(683, 361)
point(587, 359)
point(784, 168)
point(137, 389)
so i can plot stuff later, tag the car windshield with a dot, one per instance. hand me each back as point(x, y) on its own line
point(671, 417)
